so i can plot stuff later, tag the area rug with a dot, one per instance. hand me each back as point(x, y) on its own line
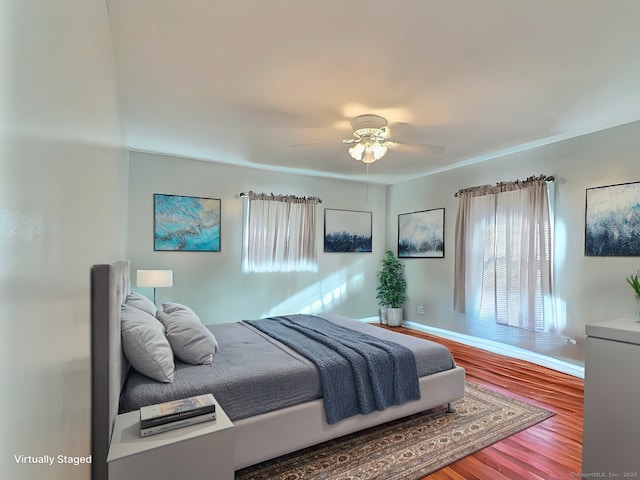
point(409, 448)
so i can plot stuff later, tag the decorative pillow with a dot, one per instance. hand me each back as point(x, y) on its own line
point(190, 340)
point(145, 345)
point(143, 303)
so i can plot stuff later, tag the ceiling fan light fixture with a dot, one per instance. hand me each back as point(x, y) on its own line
point(370, 132)
point(368, 150)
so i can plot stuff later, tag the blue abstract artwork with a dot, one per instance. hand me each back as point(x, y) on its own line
point(347, 231)
point(421, 234)
point(612, 221)
point(186, 224)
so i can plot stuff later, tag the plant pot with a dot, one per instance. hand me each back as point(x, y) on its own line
point(394, 316)
point(382, 313)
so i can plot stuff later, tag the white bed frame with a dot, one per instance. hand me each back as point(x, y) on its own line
point(294, 427)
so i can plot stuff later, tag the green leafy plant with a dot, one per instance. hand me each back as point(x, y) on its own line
point(392, 287)
point(634, 282)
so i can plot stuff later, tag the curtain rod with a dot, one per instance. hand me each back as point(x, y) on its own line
point(244, 194)
point(545, 178)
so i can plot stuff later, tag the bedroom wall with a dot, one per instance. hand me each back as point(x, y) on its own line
point(63, 199)
point(212, 283)
point(589, 289)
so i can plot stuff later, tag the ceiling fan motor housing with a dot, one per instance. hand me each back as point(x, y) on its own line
point(369, 124)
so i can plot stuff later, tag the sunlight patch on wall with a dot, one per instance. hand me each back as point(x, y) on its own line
point(20, 225)
point(325, 295)
point(17, 231)
point(559, 245)
point(561, 315)
point(560, 254)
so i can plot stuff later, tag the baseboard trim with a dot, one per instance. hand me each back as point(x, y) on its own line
point(496, 347)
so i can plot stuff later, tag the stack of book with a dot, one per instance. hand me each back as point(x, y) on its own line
point(163, 417)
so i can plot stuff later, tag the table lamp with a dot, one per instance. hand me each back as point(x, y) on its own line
point(154, 279)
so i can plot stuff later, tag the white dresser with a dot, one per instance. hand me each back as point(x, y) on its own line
point(611, 439)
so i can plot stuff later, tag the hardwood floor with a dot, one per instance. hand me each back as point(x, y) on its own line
point(550, 450)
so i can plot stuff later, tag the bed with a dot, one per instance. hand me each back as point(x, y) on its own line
point(295, 425)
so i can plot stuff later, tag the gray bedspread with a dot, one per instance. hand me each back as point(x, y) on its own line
point(359, 373)
point(253, 373)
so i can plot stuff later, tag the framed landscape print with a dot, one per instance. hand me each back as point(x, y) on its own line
point(421, 234)
point(612, 221)
point(186, 224)
point(347, 231)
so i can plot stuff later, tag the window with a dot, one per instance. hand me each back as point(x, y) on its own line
point(279, 234)
point(503, 270)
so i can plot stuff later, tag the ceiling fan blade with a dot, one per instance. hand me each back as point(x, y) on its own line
point(398, 125)
point(307, 144)
point(423, 147)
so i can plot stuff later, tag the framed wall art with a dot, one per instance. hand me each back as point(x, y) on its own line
point(186, 224)
point(612, 221)
point(347, 231)
point(421, 234)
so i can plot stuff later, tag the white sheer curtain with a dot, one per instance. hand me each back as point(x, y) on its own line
point(503, 266)
point(279, 234)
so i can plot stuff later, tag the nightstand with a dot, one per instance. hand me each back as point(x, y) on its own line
point(202, 451)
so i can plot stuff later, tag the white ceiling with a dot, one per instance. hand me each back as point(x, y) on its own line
point(246, 81)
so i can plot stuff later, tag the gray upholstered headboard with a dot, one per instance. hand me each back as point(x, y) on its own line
point(110, 285)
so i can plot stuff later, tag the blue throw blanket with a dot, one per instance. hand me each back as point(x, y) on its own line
point(359, 373)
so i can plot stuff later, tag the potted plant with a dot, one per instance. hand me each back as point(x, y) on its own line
point(392, 289)
point(634, 283)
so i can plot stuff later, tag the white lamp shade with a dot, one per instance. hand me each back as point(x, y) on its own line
point(356, 151)
point(154, 278)
point(379, 150)
point(368, 156)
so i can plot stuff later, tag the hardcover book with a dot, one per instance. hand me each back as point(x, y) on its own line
point(165, 427)
point(175, 410)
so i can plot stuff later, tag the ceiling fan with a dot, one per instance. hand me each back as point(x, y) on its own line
point(371, 138)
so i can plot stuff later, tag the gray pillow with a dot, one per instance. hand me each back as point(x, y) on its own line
point(145, 344)
point(137, 300)
point(190, 340)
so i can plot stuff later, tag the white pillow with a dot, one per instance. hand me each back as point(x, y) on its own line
point(137, 300)
point(145, 345)
point(190, 340)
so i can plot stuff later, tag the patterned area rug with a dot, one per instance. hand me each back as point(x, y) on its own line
point(409, 448)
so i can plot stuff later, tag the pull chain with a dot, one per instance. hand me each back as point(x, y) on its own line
point(366, 198)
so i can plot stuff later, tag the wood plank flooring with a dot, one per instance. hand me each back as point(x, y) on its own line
point(550, 450)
